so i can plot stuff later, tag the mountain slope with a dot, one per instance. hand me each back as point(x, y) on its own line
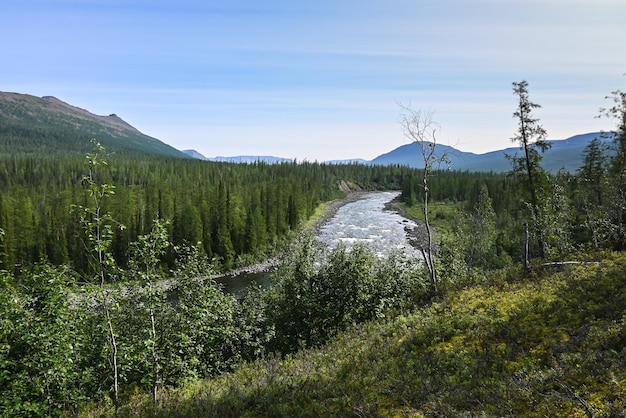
point(194, 154)
point(30, 124)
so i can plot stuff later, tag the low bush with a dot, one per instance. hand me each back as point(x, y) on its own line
point(549, 344)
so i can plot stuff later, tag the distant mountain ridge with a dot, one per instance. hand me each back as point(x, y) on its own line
point(239, 159)
point(30, 124)
point(47, 125)
point(564, 154)
point(268, 159)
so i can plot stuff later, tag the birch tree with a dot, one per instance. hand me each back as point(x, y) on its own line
point(419, 127)
point(98, 227)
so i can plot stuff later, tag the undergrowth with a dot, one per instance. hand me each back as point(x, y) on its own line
point(548, 344)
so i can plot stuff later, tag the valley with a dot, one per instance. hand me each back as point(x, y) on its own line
point(485, 314)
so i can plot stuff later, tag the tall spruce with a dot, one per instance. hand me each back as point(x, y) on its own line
point(531, 137)
point(617, 168)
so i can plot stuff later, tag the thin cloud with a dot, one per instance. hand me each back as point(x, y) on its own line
point(322, 79)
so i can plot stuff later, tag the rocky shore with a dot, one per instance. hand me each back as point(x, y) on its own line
point(417, 236)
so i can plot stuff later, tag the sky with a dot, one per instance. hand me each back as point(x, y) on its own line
point(319, 80)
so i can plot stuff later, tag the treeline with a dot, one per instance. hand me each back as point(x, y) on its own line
point(234, 211)
point(549, 215)
point(582, 210)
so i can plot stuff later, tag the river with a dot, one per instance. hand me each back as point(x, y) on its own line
point(365, 221)
point(362, 221)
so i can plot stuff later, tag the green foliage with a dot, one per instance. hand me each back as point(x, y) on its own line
point(617, 168)
point(314, 296)
point(97, 224)
point(473, 244)
point(531, 137)
point(555, 219)
point(145, 258)
point(254, 329)
point(55, 348)
point(205, 318)
point(147, 252)
point(591, 195)
point(44, 346)
point(551, 345)
point(234, 210)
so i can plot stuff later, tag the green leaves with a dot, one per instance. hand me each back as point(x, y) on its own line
point(315, 296)
point(551, 345)
point(148, 250)
point(41, 340)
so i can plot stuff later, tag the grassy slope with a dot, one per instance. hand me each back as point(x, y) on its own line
point(548, 345)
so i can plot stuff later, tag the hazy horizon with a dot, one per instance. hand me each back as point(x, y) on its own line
point(319, 81)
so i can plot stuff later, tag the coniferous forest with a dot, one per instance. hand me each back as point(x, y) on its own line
point(233, 210)
point(108, 306)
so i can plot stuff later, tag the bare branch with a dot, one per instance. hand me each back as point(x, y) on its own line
point(419, 127)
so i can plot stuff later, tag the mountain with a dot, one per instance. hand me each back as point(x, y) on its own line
point(251, 159)
point(47, 125)
point(410, 155)
point(194, 154)
point(564, 153)
point(240, 159)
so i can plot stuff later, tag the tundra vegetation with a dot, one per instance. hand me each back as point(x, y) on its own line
point(108, 306)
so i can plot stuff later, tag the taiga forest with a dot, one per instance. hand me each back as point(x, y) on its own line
point(110, 242)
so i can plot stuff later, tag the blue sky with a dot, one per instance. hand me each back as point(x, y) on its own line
point(321, 79)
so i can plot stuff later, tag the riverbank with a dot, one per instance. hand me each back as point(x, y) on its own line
point(331, 210)
point(395, 206)
point(418, 235)
point(317, 224)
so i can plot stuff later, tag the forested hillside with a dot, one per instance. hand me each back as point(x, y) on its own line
point(48, 126)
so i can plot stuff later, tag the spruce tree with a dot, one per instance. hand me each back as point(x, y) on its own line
point(531, 137)
point(617, 168)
